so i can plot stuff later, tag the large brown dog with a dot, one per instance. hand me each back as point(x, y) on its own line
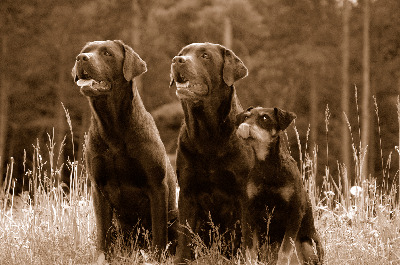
point(126, 159)
point(211, 160)
point(276, 207)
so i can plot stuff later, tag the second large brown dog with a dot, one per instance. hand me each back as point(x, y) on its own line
point(126, 159)
point(211, 160)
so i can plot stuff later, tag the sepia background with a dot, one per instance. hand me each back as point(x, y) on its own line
point(325, 60)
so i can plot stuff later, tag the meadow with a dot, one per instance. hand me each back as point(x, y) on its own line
point(53, 223)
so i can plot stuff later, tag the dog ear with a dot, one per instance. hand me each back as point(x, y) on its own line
point(284, 118)
point(234, 68)
point(241, 116)
point(133, 64)
point(73, 73)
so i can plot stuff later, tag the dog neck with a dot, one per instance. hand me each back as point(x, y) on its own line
point(111, 113)
point(211, 121)
point(275, 152)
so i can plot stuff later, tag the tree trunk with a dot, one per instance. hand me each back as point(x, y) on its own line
point(398, 120)
point(228, 39)
point(135, 37)
point(345, 85)
point(4, 88)
point(60, 118)
point(313, 107)
point(365, 108)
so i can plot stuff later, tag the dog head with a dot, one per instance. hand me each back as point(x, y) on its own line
point(260, 127)
point(201, 68)
point(104, 65)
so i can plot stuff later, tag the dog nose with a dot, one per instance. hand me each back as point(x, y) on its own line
point(82, 57)
point(179, 59)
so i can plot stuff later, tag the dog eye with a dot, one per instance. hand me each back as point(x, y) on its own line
point(264, 117)
point(106, 53)
point(205, 55)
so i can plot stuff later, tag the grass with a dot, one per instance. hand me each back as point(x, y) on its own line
point(47, 225)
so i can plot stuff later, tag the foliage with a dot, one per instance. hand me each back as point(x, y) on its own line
point(289, 48)
point(54, 224)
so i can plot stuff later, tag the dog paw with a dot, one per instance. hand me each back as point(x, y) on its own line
point(283, 260)
point(101, 260)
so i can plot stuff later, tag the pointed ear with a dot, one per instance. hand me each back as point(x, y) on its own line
point(133, 64)
point(234, 69)
point(241, 116)
point(284, 118)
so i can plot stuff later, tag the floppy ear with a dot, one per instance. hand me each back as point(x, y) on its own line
point(133, 64)
point(73, 73)
point(234, 69)
point(284, 118)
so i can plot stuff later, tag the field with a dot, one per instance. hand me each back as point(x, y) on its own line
point(359, 225)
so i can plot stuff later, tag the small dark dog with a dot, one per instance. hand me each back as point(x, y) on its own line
point(275, 206)
point(131, 174)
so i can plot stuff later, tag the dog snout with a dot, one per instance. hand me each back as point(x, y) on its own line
point(179, 59)
point(83, 57)
point(243, 131)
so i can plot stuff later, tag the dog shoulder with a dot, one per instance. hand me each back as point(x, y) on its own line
point(289, 165)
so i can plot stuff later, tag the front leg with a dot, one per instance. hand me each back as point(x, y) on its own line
point(188, 207)
point(187, 220)
point(159, 216)
point(103, 213)
point(249, 233)
point(154, 164)
point(102, 207)
point(292, 229)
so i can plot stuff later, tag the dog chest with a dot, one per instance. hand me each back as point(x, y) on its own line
point(129, 202)
point(268, 178)
point(125, 170)
point(284, 193)
point(122, 180)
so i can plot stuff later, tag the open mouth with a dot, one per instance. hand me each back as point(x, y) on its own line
point(188, 89)
point(85, 81)
point(180, 78)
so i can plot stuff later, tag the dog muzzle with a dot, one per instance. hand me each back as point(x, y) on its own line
point(243, 131)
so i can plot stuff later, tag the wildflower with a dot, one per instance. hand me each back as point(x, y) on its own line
point(329, 193)
point(356, 191)
point(374, 233)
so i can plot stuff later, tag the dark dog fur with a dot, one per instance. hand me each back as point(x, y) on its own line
point(126, 159)
point(211, 160)
point(274, 191)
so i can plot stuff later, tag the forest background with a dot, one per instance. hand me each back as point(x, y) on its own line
point(304, 56)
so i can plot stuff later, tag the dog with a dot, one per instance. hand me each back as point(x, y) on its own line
point(275, 204)
point(126, 160)
point(211, 160)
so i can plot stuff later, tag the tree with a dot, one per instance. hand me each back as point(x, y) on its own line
point(4, 88)
point(227, 33)
point(345, 98)
point(365, 106)
point(135, 36)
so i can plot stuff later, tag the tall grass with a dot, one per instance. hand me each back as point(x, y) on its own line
point(51, 223)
